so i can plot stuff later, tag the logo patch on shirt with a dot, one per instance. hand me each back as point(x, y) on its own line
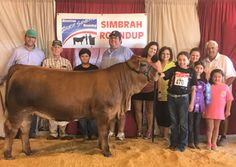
point(223, 93)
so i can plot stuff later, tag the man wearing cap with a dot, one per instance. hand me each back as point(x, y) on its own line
point(113, 55)
point(57, 62)
point(27, 54)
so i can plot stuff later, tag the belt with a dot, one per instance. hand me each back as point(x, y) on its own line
point(176, 96)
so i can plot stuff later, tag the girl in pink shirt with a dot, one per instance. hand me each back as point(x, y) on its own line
point(219, 107)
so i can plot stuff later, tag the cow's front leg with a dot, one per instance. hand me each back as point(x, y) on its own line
point(10, 133)
point(25, 128)
point(103, 137)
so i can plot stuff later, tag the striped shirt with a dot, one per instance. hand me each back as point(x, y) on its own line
point(57, 63)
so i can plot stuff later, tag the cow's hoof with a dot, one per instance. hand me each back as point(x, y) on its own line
point(28, 152)
point(7, 156)
point(107, 154)
point(100, 146)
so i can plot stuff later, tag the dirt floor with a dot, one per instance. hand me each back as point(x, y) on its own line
point(128, 153)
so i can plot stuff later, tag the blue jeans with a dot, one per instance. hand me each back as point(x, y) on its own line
point(178, 108)
point(194, 119)
point(33, 128)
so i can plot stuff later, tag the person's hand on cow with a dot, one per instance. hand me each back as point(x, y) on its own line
point(161, 74)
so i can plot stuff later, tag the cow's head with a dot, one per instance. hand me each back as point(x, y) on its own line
point(140, 65)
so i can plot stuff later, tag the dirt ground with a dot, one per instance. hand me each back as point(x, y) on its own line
point(128, 153)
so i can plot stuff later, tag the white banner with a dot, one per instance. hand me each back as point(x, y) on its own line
point(92, 30)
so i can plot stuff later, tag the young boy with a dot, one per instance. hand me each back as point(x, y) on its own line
point(182, 83)
point(88, 126)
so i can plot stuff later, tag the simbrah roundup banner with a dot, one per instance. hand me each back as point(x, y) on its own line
point(92, 30)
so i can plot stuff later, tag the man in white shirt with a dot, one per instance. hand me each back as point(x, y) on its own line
point(215, 60)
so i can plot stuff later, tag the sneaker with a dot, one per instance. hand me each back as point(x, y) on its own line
point(173, 148)
point(181, 149)
point(140, 134)
point(208, 146)
point(66, 137)
point(50, 137)
point(120, 136)
point(214, 147)
point(222, 141)
point(86, 137)
point(166, 139)
point(148, 135)
point(33, 136)
point(93, 137)
point(191, 145)
point(111, 134)
point(197, 146)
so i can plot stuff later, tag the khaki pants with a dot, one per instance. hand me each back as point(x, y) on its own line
point(53, 125)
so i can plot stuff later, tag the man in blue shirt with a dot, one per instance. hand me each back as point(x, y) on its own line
point(116, 53)
point(113, 55)
point(27, 54)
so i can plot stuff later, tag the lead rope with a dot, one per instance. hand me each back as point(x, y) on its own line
point(1, 98)
point(154, 109)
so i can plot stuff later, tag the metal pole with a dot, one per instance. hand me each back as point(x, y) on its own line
point(154, 109)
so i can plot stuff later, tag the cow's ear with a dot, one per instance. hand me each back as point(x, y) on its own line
point(134, 62)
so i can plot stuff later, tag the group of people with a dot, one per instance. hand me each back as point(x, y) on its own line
point(189, 89)
point(29, 54)
point(181, 98)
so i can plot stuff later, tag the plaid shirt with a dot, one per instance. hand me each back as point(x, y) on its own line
point(57, 63)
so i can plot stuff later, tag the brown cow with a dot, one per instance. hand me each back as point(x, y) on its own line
point(64, 96)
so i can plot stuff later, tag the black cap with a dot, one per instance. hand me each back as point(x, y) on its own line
point(115, 33)
point(56, 42)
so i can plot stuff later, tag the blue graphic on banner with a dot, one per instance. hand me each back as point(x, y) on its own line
point(79, 30)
